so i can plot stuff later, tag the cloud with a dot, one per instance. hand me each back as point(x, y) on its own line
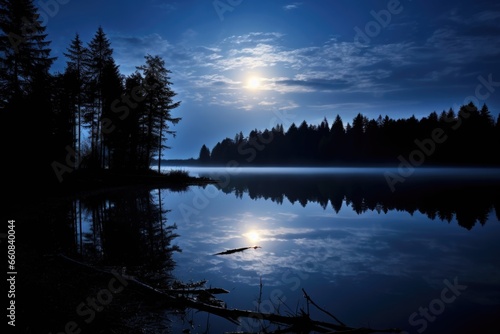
point(289, 216)
point(292, 6)
point(253, 37)
point(280, 85)
point(166, 7)
point(486, 16)
point(258, 56)
point(130, 50)
point(438, 75)
point(189, 35)
point(316, 85)
point(334, 66)
point(459, 46)
point(467, 40)
point(342, 106)
point(217, 80)
point(218, 71)
point(267, 103)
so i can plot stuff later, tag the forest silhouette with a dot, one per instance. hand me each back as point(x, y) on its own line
point(469, 136)
point(89, 117)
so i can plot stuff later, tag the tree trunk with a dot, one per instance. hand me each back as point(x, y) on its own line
point(160, 143)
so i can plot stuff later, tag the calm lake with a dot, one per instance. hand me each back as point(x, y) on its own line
point(423, 256)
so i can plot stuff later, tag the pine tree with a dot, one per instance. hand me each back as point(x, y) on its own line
point(486, 119)
point(133, 123)
point(324, 128)
point(204, 154)
point(63, 112)
point(25, 84)
point(75, 72)
point(24, 49)
point(100, 56)
point(111, 124)
point(338, 127)
point(159, 104)
point(337, 139)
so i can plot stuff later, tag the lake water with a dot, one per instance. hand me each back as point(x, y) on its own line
point(422, 255)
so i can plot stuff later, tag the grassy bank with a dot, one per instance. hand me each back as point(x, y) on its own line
point(102, 179)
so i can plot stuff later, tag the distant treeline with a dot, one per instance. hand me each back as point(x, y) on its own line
point(467, 137)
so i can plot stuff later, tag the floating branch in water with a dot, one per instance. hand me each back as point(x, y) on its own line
point(309, 300)
point(298, 323)
point(236, 250)
point(212, 291)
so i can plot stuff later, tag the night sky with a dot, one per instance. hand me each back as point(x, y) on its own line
point(238, 65)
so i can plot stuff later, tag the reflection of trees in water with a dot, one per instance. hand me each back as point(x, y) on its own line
point(469, 201)
point(110, 231)
point(125, 230)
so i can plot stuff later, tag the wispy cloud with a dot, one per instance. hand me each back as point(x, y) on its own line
point(130, 50)
point(219, 71)
point(166, 7)
point(292, 6)
point(341, 106)
point(486, 16)
point(253, 37)
point(479, 18)
point(216, 80)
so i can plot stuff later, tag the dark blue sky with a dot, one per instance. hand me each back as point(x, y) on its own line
point(238, 65)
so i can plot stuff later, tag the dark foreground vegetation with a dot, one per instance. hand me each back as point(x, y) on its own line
point(89, 118)
point(83, 180)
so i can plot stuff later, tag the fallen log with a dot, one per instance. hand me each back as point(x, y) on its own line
point(212, 291)
point(301, 323)
point(236, 250)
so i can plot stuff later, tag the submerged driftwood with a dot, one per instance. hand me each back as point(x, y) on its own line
point(236, 250)
point(212, 291)
point(301, 323)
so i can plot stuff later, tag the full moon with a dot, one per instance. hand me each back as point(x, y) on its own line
point(253, 236)
point(253, 83)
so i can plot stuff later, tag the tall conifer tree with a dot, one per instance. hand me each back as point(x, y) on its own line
point(159, 104)
point(25, 84)
point(75, 73)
